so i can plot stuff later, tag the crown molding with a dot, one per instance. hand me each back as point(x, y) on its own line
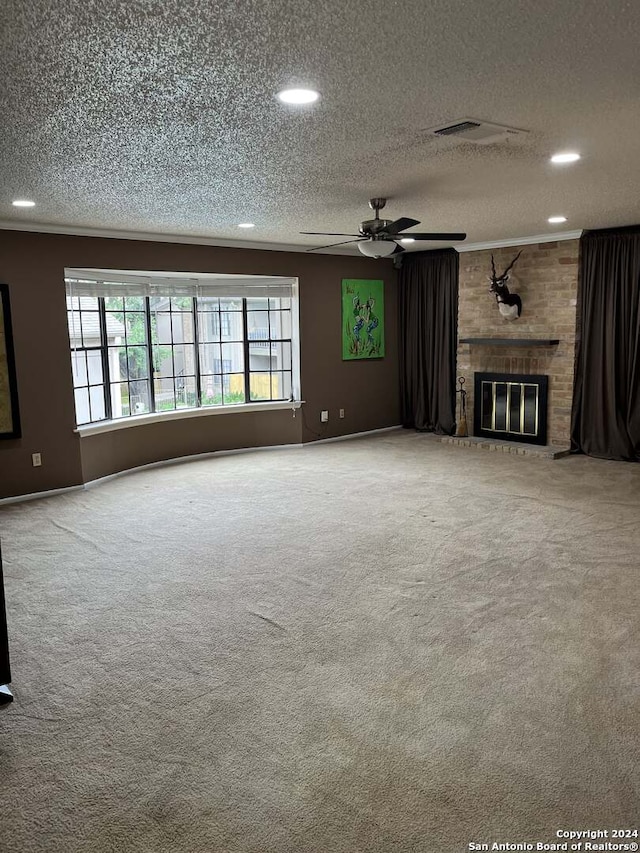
point(112, 234)
point(80, 231)
point(519, 241)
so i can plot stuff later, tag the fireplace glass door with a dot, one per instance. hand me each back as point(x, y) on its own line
point(511, 407)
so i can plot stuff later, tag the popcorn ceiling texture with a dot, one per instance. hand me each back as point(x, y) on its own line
point(546, 278)
point(161, 116)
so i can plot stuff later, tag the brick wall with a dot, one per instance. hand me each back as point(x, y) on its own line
point(546, 278)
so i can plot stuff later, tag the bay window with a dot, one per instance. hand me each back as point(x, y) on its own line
point(153, 342)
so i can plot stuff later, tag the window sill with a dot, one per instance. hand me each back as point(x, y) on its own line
point(179, 414)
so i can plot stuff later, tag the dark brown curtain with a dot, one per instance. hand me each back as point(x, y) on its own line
point(606, 401)
point(428, 308)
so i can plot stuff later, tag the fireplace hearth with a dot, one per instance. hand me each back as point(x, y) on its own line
point(511, 407)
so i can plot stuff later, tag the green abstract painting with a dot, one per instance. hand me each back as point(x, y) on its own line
point(362, 318)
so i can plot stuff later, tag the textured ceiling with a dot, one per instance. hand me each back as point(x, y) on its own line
point(161, 117)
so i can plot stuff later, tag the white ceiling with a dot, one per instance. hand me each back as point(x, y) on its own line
point(161, 117)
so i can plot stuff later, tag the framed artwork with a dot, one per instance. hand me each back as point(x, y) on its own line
point(9, 417)
point(362, 318)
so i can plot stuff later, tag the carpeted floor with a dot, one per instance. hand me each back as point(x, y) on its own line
point(382, 644)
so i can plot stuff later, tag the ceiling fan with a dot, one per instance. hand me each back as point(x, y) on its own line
point(378, 238)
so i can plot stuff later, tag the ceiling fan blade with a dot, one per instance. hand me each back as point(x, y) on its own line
point(398, 249)
point(414, 235)
point(400, 225)
point(329, 234)
point(316, 248)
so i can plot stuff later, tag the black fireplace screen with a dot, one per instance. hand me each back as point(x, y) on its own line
point(511, 407)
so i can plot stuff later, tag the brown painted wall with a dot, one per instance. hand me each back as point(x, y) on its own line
point(33, 266)
point(546, 278)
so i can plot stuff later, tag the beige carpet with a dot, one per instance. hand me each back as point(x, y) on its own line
point(382, 644)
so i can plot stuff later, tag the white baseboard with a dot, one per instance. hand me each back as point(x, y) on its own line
point(177, 460)
point(351, 435)
point(193, 457)
point(34, 496)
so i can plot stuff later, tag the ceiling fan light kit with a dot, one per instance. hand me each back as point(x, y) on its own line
point(377, 248)
point(379, 238)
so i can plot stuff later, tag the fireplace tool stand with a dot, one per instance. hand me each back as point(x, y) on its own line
point(461, 428)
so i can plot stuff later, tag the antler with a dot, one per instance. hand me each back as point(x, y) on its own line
point(493, 267)
point(511, 264)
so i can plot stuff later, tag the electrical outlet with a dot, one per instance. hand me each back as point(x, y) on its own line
point(324, 417)
point(36, 459)
point(341, 413)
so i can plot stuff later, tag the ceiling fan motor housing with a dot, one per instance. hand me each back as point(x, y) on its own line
point(370, 227)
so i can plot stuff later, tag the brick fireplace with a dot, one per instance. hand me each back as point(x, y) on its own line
point(546, 278)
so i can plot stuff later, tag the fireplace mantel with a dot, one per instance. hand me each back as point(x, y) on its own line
point(512, 342)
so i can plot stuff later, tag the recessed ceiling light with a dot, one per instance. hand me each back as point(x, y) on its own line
point(565, 157)
point(23, 202)
point(554, 220)
point(298, 96)
point(407, 240)
point(246, 225)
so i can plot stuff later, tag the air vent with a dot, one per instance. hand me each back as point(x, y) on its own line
point(475, 130)
point(456, 128)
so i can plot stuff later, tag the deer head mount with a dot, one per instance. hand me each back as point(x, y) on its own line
point(509, 304)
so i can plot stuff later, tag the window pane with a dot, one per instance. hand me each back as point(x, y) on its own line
point(259, 356)
point(186, 391)
point(114, 364)
point(181, 303)
point(114, 303)
point(281, 356)
point(136, 327)
point(182, 328)
point(233, 388)
point(118, 355)
point(138, 366)
point(281, 385)
point(165, 395)
point(159, 303)
point(231, 304)
point(184, 360)
point(73, 303)
point(82, 405)
point(90, 325)
point(154, 329)
point(139, 397)
point(235, 354)
point(163, 327)
point(212, 391)
point(94, 362)
point(258, 325)
point(260, 386)
point(79, 368)
point(162, 361)
point(209, 326)
point(210, 354)
point(231, 327)
point(134, 303)
point(120, 399)
point(115, 327)
point(73, 322)
point(257, 304)
point(280, 302)
point(208, 303)
point(280, 324)
point(96, 395)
